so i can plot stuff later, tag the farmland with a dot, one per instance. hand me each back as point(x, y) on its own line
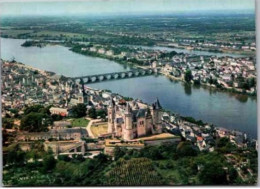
point(134, 172)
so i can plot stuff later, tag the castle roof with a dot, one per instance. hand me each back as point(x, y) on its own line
point(140, 113)
point(157, 105)
point(128, 108)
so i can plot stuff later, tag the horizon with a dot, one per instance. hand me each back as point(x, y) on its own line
point(125, 7)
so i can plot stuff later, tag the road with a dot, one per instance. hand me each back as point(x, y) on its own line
point(90, 134)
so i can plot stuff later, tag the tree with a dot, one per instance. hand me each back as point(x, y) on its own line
point(33, 122)
point(222, 142)
point(35, 108)
point(92, 113)
point(78, 111)
point(186, 149)
point(14, 155)
point(251, 82)
point(48, 163)
point(232, 175)
point(56, 117)
point(210, 80)
point(101, 113)
point(188, 76)
point(8, 123)
point(213, 174)
point(119, 152)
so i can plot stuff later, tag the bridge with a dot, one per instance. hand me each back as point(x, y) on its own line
point(115, 75)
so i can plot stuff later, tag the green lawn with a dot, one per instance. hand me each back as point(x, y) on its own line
point(80, 122)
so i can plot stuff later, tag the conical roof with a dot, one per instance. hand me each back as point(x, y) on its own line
point(157, 104)
point(128, 108)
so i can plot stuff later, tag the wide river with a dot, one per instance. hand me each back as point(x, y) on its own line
point(222, 109)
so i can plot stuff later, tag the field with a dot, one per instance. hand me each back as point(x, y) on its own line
point(134, 172)
point(58, 34)
point(99, 129)
point(15, 33)
point(80, 122)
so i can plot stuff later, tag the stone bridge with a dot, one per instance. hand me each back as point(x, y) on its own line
point(115, 75)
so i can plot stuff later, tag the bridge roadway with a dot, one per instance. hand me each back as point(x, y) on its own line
point(115, 75)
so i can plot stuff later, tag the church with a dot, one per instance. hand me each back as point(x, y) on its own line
point(133, 119)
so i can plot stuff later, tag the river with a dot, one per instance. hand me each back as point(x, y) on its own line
point(57, 59)
point(186, 51)
point(223, 109)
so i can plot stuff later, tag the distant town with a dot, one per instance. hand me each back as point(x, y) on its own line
point(233, 74)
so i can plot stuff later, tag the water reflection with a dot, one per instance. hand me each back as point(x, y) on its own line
point(242, 98)
point(187, 89)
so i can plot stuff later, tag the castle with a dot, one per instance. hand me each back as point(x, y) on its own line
point(133, 120)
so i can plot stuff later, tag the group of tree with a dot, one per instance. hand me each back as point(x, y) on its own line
point(188, 76)
point(36, 118)
point(97, 113)
point(78, 111)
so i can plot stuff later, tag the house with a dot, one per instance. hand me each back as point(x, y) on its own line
point(93, 49)
point(154, 64)
point(59, 111)
point(101, 51)
point(110, 53)
point(222, 132)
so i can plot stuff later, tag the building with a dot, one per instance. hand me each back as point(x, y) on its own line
point(131, 121)
point(59, 111)
point(83, 97)
point(76, 133)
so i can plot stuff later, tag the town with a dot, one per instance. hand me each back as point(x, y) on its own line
point(232, 74)
point(70, 119)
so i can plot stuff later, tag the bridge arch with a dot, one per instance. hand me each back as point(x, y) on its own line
point(130, 74)
point(122, 75)
point(116, 75)
point(93, 78)
point(101, 77)
point(86, 80)
point(150, 71)
point(136, 73)
point(108, 77)
point(143, 72)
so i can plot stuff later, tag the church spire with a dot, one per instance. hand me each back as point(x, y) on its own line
point(112, 102)
point(82, 87)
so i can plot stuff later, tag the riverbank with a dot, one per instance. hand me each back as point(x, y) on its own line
point(137, 65)
point(208, 86)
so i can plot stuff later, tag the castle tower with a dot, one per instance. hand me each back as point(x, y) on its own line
point(128, 131)
point(149, 122)
point(157, 116)
point(111, 116)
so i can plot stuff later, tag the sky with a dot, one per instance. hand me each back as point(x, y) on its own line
point(101, 7)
